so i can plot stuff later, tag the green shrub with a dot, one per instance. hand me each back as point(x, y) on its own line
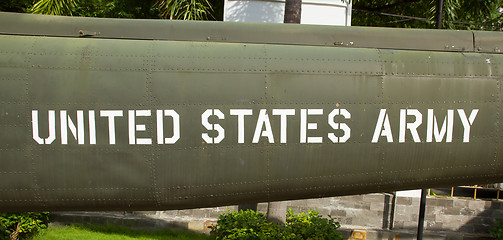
point(497, 231)
point(252, 225)
point(20, 225)
point(311, 226)
point(246, 225)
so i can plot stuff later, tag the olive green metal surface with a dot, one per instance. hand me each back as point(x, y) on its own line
point(264, 112)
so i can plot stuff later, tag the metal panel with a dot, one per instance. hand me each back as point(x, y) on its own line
point(487, 42)
point(292, 34)
point(313, 83)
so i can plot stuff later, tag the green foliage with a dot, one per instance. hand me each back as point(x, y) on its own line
point(251, 225)
point(497, 231)
point(21, 6)
point(98, 8)
point(375, 13)
point(54, 7)
point(145, 9)
point(485, 12)
point(185, 9)
point(19, 225)
point(457, 14)
point(311, 226)
point(246, 225)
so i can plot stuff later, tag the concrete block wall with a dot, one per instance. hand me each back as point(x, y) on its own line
point(369, 211)
point(452, 218)
point(407, 213)
point(464, 215)
point(374, 211)
point(199, 213)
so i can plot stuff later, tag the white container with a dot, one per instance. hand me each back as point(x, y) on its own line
point(320, 12)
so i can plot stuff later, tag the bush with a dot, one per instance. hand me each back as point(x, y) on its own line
point(497, 231)
point(252, 225)
point(247, 225)
point(311, 226)
point(20, 225)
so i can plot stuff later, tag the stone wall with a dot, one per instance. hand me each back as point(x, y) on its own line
point(375, 211)
point(446, 218)
point(358, 211)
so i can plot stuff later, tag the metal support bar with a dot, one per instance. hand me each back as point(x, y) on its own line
point(392, 212)
point(422, 208)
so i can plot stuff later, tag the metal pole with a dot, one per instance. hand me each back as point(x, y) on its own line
point(422, 208)
point(392, 213)
point(440, 11)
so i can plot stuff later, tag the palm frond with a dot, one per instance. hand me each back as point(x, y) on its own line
point(54, 7)
point(450, 11)
point(185, 9)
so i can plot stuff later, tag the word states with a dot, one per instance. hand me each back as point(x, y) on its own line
point(263, 125)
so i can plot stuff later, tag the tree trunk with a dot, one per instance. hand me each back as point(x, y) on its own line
point(293, 9)
point(440, 12)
